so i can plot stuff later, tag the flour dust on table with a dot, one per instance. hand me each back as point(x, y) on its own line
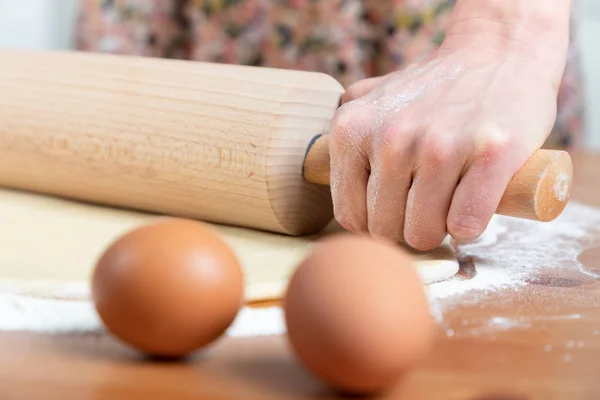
point(518, 262)
point(513, 259)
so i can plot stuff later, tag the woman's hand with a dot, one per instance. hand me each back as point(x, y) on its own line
point(430, 150)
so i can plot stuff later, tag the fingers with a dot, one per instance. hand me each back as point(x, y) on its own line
point(387, 191)
point(475, 200)
point(349, 169)
point(430, 195)
point(480, 190)
point(416, 185)
point(407, 182)
point(349, 156)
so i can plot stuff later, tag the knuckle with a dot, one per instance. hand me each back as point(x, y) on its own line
point(438, 153)
point(490, 155)
point(396, 141)
point(343, 121)
point(491, 145)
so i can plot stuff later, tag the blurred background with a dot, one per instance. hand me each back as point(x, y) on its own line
point(51, 24)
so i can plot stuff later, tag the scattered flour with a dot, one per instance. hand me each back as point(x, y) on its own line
point(511, 254)
point(25, 313)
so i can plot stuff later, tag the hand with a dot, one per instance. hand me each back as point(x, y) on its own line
point(429, 150)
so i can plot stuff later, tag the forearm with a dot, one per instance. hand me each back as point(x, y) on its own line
point(537, 29)
point(543, 19)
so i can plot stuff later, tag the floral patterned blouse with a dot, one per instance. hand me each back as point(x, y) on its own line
point(348, 39)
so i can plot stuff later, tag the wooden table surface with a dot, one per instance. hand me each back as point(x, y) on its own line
point(551, 359)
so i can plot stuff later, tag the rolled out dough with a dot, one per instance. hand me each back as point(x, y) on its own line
point(49, 247)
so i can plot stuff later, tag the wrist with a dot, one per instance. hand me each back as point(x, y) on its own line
point(536, 30)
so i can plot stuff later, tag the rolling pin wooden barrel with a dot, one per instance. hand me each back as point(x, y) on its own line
point(229, 144)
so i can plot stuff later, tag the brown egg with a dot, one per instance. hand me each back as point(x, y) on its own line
point(168, 288)
point(357, 314)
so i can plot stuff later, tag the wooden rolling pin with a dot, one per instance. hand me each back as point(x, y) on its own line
point(236, 145)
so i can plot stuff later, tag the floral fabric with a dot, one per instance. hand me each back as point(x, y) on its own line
point(348, 39)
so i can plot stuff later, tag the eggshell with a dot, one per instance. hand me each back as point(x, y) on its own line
point(357, 314)
point(168, 288)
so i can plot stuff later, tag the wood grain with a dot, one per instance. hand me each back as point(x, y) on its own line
point(555, 356)
point(222, 143)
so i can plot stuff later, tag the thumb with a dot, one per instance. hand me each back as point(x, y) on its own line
point(361, 88)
